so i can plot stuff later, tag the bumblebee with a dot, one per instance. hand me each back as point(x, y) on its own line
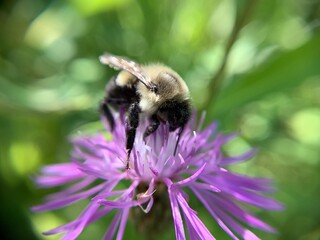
point(151, 91)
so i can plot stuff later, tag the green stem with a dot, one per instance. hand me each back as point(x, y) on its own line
point(241, 20)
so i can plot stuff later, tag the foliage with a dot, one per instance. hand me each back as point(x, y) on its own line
point(268, 89)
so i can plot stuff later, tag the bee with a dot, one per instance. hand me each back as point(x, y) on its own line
point(151, 91)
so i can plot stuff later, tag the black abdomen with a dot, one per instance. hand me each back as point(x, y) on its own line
point(120, 97)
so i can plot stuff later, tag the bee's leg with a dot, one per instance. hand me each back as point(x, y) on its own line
point(132, 124)
point(154, 124)
point(105, 110)
point(178, 140)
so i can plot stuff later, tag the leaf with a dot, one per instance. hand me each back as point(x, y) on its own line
point(278, 74)
point(95, 6)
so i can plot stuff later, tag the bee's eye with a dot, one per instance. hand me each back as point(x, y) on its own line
point(154, 88)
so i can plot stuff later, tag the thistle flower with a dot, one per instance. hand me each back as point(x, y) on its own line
point(156, 193)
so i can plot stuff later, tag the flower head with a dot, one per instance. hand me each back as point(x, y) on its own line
point(157, 182)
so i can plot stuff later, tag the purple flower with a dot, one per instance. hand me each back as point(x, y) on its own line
point(157, 183)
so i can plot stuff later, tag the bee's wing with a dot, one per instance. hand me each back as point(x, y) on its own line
point(122, 63)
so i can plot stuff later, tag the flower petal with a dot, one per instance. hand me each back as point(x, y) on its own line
point(218, 219)
point(192, 233)
point(177, 219)
point(113, 226)
point(123, 223)
point(192, 178)
point(196, 223)
point(58, 203)
point(232, 209)
point(236, 159)
point(117, 204)
point(83, 220)
point(73, 189)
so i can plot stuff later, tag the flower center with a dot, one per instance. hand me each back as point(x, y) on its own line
point(159, 218)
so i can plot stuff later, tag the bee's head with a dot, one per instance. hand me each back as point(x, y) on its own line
point(167, 85)
point(177, 113)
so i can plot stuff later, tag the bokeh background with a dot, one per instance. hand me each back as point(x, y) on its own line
point(254, 66)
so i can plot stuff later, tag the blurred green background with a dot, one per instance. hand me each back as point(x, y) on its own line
point(254, 66)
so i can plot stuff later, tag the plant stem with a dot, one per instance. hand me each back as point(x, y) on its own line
point(241, 20)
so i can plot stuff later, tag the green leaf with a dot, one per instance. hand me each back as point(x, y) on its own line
point(94, 6)
point(278, 74)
